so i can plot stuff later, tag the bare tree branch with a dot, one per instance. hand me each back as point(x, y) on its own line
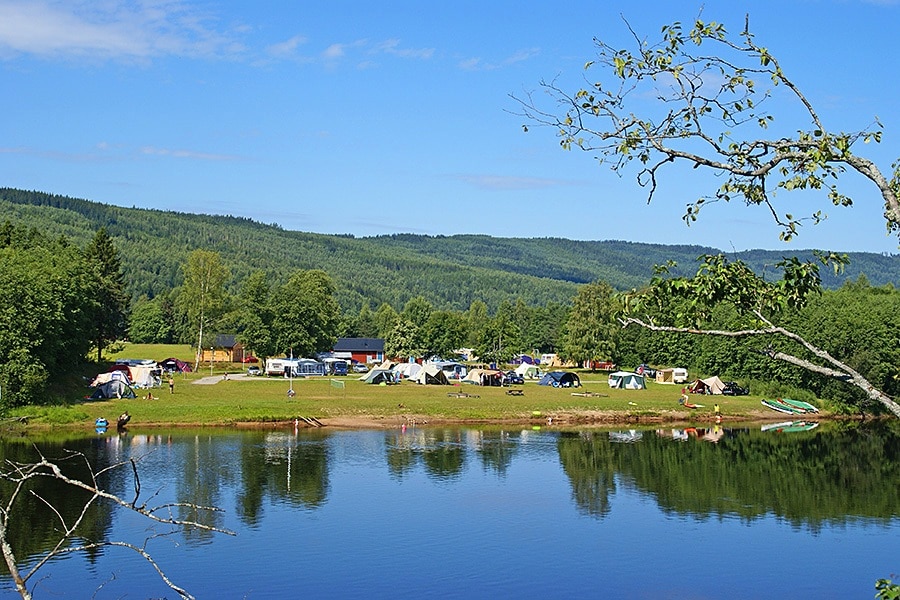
point(20, 474)
point(840, 371)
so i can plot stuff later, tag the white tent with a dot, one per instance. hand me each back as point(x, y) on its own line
point(408, 370)
point(146, 376)
point(431, 375)
point(528, 371)
point(625, 380)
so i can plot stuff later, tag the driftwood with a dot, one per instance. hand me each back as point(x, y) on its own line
point(19, 474)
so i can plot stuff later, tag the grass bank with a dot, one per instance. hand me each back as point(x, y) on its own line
point(208, 400)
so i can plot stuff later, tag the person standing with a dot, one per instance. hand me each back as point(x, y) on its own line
point(171, 385)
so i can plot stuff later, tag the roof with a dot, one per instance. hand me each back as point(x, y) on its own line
point(225, 340)
point(359, 345)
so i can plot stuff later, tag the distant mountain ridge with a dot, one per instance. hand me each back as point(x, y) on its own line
point(449, 271)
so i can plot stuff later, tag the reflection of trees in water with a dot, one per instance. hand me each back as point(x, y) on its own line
point(293, 467)
point(496, 450)
point(828, 475)
point(587, 460)
point(202, 475)
point(441, 451)
point(32, 527)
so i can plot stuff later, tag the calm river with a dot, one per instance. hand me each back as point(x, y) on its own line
point(485, 513)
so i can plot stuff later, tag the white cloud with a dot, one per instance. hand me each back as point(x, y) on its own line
point(287, 48)
point(478, 64)
point(505, 183)
point(334, 51)
point(108, 29)
point(189, 154)
point(392, 46)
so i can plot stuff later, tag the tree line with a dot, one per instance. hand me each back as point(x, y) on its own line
point(65, 302)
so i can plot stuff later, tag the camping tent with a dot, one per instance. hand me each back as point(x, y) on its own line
point(173, 364)
point(625, 380)
point(431, 375)
point(146, 376)
point(408, 370)
point(560, 379)
point(378, 375)
point(710, 385)
point(528, 371)
point(484, 377)
point(110, 376)
point(114, 388)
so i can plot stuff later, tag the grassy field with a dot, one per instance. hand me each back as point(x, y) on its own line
point(204, 399)
point(208, 398)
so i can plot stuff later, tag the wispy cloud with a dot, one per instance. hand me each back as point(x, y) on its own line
point(105, 152)
point(189, 154)
point(479, 64)
point(392, 46)
point(109, 29)
point(506, 183)
point(287, 48)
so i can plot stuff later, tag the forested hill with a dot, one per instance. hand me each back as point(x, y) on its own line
point(449, 271)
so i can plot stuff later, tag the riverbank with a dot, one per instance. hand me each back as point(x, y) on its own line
point(242, 401)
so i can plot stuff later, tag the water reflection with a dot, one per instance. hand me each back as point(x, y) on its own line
point(836, 474)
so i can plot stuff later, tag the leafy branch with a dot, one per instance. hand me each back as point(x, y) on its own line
point(711, 112)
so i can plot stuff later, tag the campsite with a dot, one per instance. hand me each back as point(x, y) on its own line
point(208, 397)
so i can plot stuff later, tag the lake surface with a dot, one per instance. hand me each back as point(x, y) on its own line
point(478, 513)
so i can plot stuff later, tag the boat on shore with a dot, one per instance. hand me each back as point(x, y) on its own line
point(805, 406)
point(790, 407)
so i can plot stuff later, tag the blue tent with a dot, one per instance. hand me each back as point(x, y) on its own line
point(560, 379)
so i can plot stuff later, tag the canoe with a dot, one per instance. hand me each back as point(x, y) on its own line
point(805, 406)
point(782, 407)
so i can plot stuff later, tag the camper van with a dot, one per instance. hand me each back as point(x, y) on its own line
point(278, 367)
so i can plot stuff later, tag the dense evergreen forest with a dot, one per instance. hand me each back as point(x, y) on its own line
point(449, 271)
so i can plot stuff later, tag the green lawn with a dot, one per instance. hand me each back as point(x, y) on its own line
point(263, 399)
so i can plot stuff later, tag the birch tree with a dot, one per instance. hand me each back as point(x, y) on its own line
point(203, 293)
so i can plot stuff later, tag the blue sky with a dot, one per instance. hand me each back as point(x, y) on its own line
point(374, 118)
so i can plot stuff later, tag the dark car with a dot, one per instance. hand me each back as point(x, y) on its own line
point(513, 378)
point(733, 389)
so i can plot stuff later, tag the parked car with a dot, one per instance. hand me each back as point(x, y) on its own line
point(360, 368)
point(513, 378)
point(254, 370)
point(646, 371)
point(733, 389)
